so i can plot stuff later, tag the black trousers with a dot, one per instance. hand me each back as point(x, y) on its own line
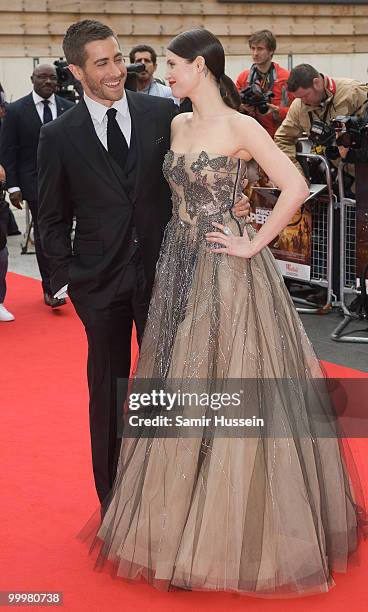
point(109, 333)
point(4, 217)
point(42, 261)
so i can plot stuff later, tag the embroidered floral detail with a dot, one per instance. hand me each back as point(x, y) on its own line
point(206, 195)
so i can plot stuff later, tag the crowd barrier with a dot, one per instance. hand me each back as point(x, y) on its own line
point(349, 275)
point(330, 246)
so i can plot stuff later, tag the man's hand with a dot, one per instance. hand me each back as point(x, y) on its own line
point(242, 207)
point(2, 174)
point(16, 199)
point(275, 111)
point(343, 151)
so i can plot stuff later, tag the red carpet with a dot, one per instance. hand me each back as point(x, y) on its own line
point(46, 480)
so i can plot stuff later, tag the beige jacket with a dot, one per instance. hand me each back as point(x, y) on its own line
point(344, 97)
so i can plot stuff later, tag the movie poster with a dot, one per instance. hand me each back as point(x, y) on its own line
point(361, 220)
point(293, 247)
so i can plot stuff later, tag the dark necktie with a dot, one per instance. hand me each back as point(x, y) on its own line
point(116, 144)
point(47, 114)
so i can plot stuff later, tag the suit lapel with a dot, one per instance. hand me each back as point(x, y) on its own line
point(31, 110)
point(144, 128)
point(60, 105)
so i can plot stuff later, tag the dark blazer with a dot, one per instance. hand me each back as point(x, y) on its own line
point(78, 177)
point(20, 133)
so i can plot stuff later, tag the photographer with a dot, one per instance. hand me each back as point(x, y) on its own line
point(319, 100)
point(146, 55)
point(263, 88)
point(5, 315)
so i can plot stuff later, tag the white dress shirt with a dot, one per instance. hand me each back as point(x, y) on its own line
point(40, 106)
point(99, 119)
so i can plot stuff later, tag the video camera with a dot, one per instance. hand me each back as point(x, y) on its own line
point(350, 130)
point(345, 130)
point(132, 71)
point(67, 86)
point(253, 95)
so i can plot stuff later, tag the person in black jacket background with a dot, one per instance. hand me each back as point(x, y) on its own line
point(5, 315)
point(12, 229)
point(18, 152)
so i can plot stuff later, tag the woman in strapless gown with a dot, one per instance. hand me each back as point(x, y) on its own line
point(267, 514)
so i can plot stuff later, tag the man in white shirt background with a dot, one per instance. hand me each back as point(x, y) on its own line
point(20, 132)
point(146, 83)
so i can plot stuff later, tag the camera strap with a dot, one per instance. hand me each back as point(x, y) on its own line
point(266, 80)
point(324, 118)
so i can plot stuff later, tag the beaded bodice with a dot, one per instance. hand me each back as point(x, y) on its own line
point(204, 186)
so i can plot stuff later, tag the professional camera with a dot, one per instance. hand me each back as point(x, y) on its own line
point(132, 71)
point(350, 130)
point(321, 133)
point(67, 86)
point(254, 96)
point(323, 138)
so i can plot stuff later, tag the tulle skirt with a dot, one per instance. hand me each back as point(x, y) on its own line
point(268, 513)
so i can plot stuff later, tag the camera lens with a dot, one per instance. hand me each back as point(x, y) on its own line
point(332, 152)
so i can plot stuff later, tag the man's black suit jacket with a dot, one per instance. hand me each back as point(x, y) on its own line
point(78, 177)
point(20, 132)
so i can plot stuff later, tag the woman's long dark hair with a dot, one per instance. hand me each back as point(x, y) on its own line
point(193, 43)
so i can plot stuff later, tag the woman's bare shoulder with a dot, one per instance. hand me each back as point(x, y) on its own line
point(247, 128)
point(240, 121)
point(244, 132)
point(181, 119)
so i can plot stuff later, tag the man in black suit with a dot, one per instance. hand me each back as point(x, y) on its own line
point(18, 153)
point(102, 163)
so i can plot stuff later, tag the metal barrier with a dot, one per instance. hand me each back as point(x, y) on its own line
point(348, 272)
point(322, 241)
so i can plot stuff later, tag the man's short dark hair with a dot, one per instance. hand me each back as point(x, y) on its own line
point(302, 76)
point(81, 33)
point(265, 36)
point(139, 49)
